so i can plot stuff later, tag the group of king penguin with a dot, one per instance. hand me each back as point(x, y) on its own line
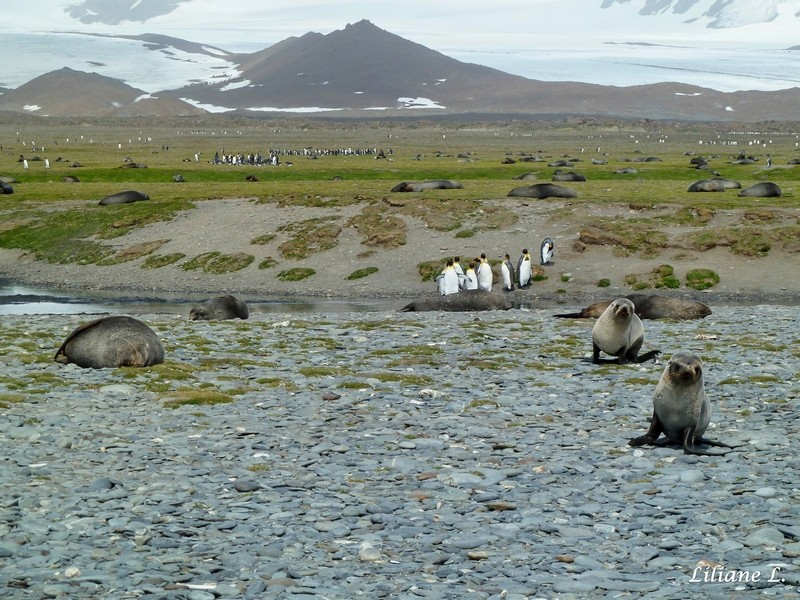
point(479, 276)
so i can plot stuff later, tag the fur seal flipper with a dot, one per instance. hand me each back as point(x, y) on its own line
point(681, 410)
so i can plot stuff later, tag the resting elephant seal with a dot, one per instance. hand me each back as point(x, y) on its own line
point(619, 332)
point(649, 306)
point(125, 197)
point(222, 307)
point(543, 190)
point(111, 342)
point(764, 189)
point(433, 184)
point(467, 300)
point(560, 175)
point(681, 410)
point(6, 188)
point(715, 184)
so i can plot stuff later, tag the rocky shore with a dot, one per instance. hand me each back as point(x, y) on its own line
point(403, 456)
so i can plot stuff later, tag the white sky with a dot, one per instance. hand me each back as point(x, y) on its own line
point(441, 24)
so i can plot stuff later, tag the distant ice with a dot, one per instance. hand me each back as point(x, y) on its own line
point(418, 103)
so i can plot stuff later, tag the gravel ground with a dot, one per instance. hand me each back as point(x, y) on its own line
point(384, 455)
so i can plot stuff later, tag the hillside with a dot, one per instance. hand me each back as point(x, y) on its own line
point(363, 71)
point(67, 92)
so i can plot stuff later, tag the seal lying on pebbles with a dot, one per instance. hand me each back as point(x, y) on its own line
point(222, 307)
point(681, 409)
point(649, 306)
point(462, 301)
point(111, 342)
point(619, 332)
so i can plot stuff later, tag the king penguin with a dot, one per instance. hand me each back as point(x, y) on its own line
point(546, 251)
point(524, 268)
point(507, 269)
point(485, 275)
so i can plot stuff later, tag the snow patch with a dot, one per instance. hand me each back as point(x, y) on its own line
point(685, 94)
point(145, 97)
point(32, 107)
point(418, 103)
point(235, 85)
point(207, 107)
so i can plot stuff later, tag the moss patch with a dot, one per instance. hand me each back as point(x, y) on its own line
point(216, 263)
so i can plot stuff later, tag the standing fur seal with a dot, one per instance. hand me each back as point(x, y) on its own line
point(111, 342)
point(681, 409)
point(125, 197)
point(222, 307)
point(619, 332)
point(649, 306)
point(466, 300)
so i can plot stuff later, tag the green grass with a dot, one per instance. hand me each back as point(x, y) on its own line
point(62, 223)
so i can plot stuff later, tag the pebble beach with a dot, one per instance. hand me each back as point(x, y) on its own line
point(398, 456)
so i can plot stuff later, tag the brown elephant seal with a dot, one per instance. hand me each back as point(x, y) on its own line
point(433, 184)
point(648, 306)
point(715, 184)
point(542, 190)
point(681, 410)
point(620, 333)
point(763, 189)
point(111, 342)
point(561, 175)
point(217, 309)
point(467, 300)
point(125, 197)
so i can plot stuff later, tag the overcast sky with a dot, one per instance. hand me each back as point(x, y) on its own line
point(439, 24)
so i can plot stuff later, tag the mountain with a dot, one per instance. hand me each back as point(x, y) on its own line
point(67, 92)
point(363, 71)
point(719, 14)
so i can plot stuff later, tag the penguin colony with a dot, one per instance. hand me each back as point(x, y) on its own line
point(479, 274)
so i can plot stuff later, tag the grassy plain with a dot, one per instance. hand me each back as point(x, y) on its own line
point(641, 214)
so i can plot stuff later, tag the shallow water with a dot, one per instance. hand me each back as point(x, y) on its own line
point(16, 299)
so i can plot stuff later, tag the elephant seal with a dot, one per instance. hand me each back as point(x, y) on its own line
point(222, 307)
point(649, 306)
point(467, 300)
point(433, 184)
point(529, 176)
point(681, 410)
point(715, 184)
point(542, 190)
point(764, 189)
point(561, 175)
point(70, 179)
point(111, 342)
point(619, 332)
point(6, 188)
point(125, 197)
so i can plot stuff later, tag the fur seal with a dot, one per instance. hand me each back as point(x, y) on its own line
point(681, 409)
point(433, 184)
point(649, 306)
point(542, 190)
point(111, 342)
point(467, 300)
point(125, 197)
point(763, 189)
point(222, 307)
point(619, 332)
